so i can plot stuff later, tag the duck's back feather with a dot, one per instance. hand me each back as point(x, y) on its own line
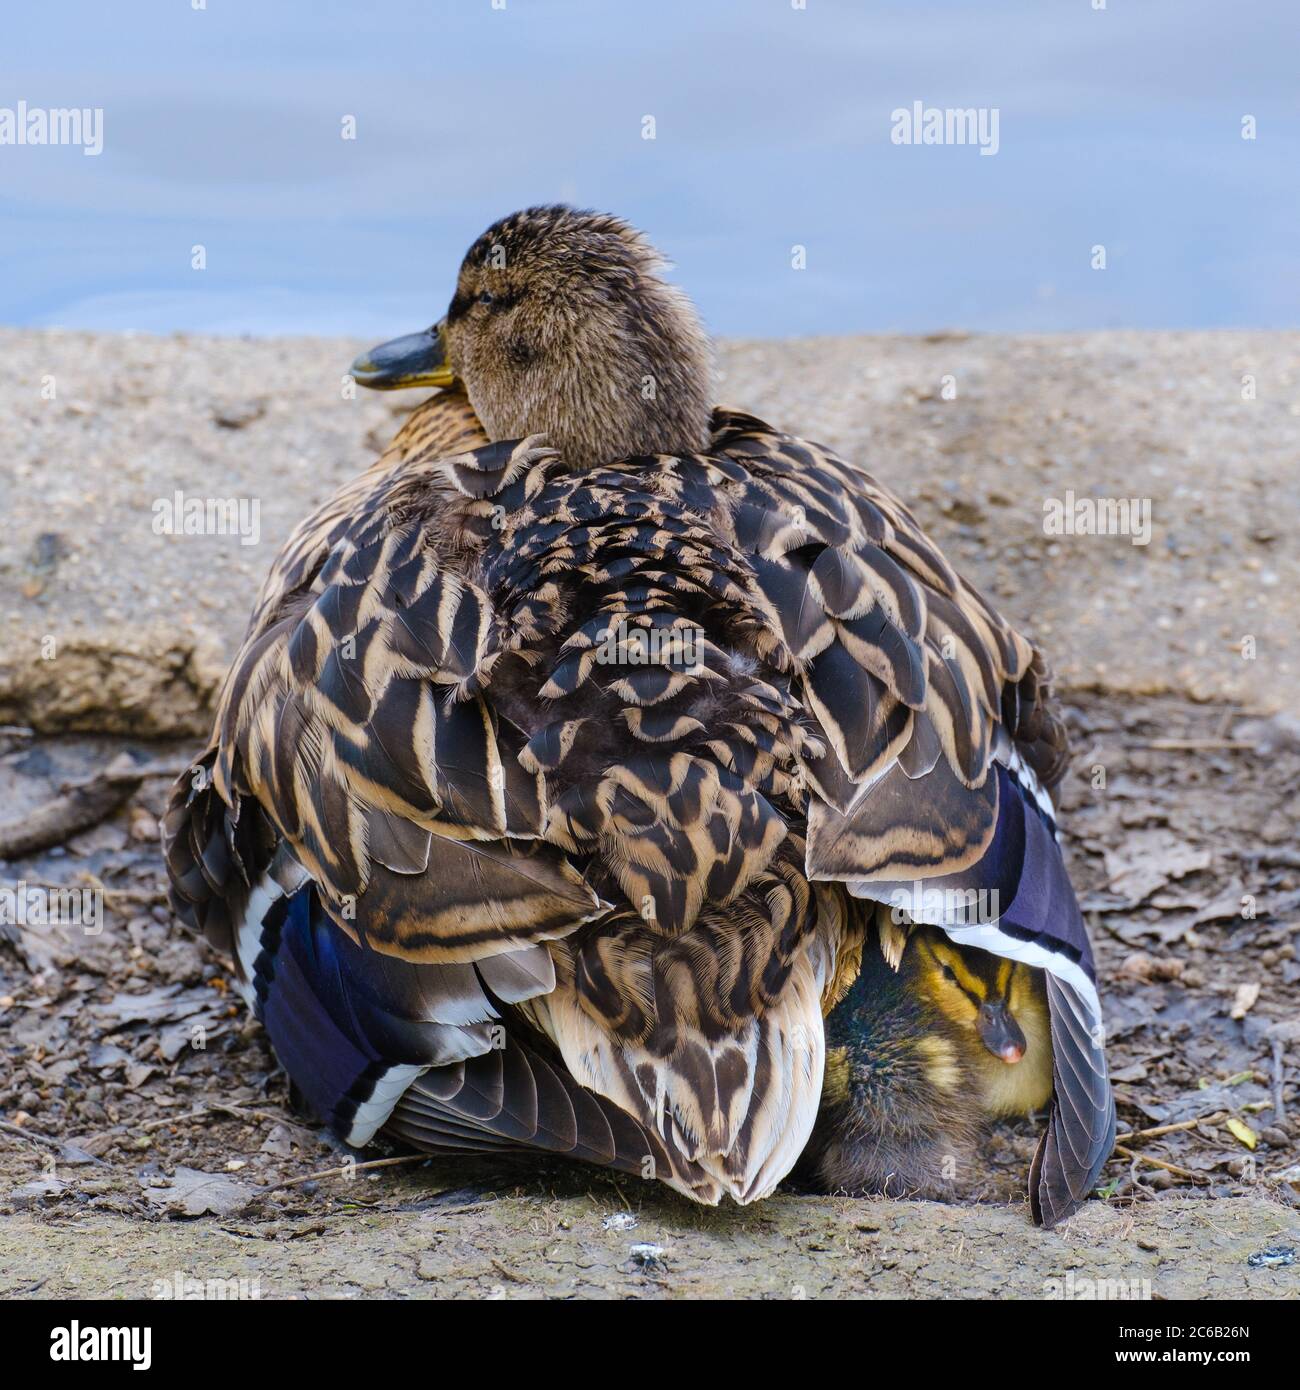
point(946, 752)
point(443, 714)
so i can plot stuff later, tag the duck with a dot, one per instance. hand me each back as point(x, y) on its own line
point(931, 1041)
point(573, 744)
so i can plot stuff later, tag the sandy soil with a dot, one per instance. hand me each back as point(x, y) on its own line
point(409, 1240)
point(107, 624)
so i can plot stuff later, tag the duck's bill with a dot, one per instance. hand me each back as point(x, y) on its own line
point(1000, 1033)
point(418, 359)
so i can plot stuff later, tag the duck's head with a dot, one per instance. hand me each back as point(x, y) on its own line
point(976, 990)
point(561, 325)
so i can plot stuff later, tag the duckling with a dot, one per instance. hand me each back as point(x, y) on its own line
point(920, 1053)
point(492, 878)
point(1001, 1003)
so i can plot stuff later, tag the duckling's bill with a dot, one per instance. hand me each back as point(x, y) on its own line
point(999, 1031)
point(417, 359)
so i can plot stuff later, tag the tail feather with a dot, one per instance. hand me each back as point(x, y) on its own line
point(422, 1052)
point(565, 1119)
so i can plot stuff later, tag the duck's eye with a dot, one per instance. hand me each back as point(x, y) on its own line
point(949, 974)
point(486, 297)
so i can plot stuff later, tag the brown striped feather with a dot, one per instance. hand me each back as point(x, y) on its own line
point(443, 710)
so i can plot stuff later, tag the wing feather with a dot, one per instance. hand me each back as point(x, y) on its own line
point(441, 718)
point(950, 787)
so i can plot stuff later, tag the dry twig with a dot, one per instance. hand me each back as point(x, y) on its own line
point(347, 1168)
point(1160, 1163)
point(1217, 1118)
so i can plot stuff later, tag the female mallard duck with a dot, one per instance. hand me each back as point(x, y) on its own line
point(919, 1053)
point(565, 739)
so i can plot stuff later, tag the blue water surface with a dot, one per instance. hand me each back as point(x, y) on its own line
point(1118, 127)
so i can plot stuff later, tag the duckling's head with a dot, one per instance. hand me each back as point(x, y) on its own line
point(562, 325)
point(975, 990)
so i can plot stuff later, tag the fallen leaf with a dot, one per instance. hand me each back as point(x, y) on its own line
point(198, 1030)
point(166, 1002)
point(1135, 1071)
point(1244, 1001)
point(107, 1056)
point(238, 415)
point(1148, 859)
point(1242, 1131)
point(75, 1156)
point(1192, 1105)
point(40, 1187)
point(1227, 905)
point(193, 1193)
point(137, 1073)
point(1166, 928)
point(1140, 966)
point(279, 1143)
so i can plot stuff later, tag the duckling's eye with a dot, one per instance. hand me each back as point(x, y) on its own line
point(486, 297)
point(949, 974)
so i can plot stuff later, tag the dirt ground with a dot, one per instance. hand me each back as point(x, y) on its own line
point(415, 1238)
point(147, 1136)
